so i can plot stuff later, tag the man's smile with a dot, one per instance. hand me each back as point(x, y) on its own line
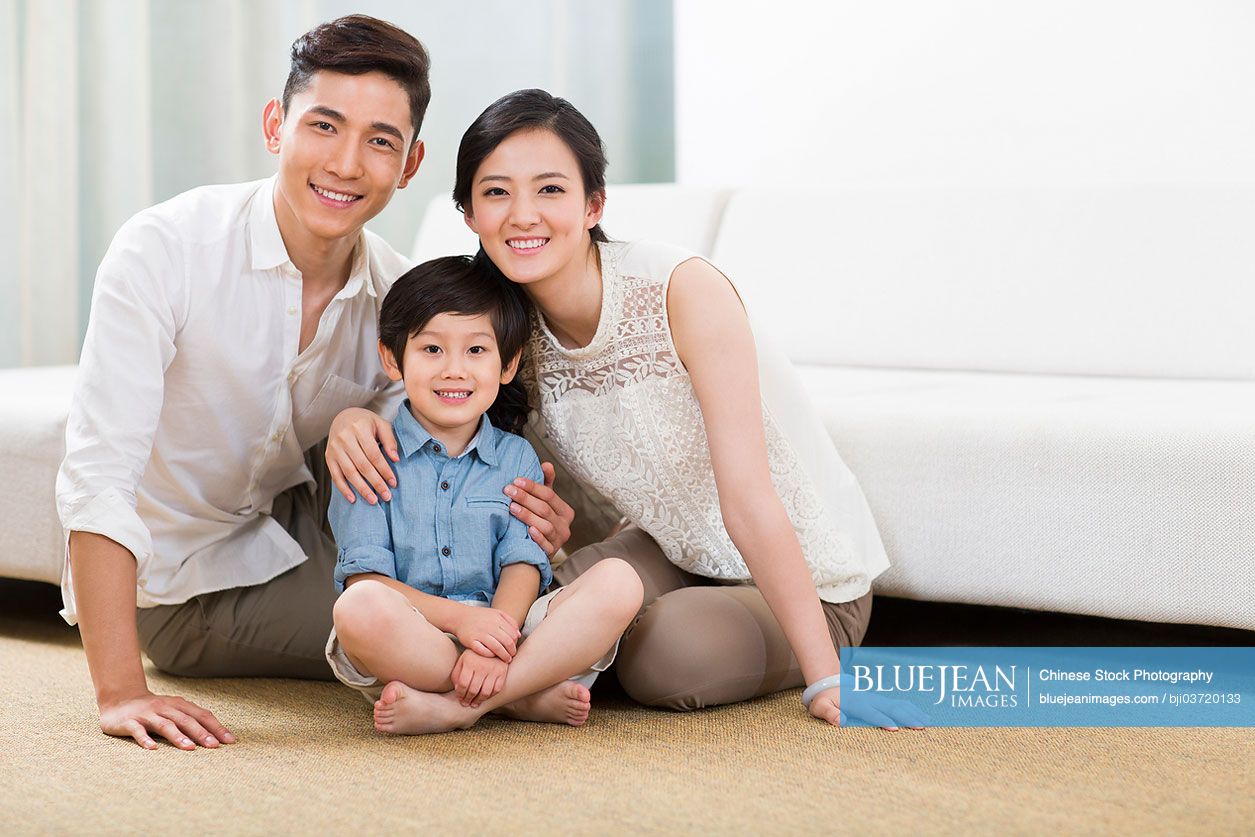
point(332, 198)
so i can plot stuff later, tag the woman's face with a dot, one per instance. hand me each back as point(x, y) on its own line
point(529, 208)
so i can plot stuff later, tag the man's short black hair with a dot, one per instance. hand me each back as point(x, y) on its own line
point(359, 44)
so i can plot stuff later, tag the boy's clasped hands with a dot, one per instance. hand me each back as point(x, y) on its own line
point(490, 637)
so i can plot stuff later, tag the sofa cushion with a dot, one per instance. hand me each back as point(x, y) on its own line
point(1096, 280)
point(34, 403)
point(1123, 498)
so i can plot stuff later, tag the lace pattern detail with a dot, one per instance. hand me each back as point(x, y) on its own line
point(623, 416)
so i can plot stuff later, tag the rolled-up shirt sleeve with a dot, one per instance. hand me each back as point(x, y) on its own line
point(516, 545)
point(363, 539)
point(388, 401)
point(137, 304)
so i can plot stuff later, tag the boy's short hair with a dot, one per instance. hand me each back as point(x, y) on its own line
point(470, 286)
point(359, 44)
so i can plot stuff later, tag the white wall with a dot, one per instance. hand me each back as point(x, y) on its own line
point(965, 91)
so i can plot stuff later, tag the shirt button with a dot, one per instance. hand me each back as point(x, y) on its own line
point(444, 486)
point(292, 376)
point(436, 448)
point(445, 551)
point(292, 310)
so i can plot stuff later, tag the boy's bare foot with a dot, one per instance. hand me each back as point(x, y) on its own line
point(565, 703)
point(404, 711)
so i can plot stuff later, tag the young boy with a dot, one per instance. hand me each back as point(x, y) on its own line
point(440, 583)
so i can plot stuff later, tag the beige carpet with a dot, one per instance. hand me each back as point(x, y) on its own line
point(308, 761)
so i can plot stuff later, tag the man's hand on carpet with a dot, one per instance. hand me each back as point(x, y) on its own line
point(179, 721)
point(548, 516)
point(355, 457)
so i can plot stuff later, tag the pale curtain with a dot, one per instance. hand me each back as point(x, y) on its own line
point(106, 103)
point(109, 106)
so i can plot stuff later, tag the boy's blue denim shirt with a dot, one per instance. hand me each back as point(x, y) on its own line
point(447, 530)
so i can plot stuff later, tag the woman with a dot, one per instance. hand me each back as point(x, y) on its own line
point(753, 540)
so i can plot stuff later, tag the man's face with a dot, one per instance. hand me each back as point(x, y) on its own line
point(344, 147)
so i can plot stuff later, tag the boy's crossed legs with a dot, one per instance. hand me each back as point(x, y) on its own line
point(382, 634)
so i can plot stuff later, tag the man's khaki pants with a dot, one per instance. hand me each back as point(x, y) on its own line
point(276, 629)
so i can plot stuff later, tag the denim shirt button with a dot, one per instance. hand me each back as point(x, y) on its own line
point(444, 486)
point(436, 448)
point(444, 550)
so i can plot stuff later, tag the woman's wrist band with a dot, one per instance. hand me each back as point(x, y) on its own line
point(819, 686)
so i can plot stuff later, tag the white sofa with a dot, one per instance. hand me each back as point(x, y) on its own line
point(34, 403)
point(1048, 394)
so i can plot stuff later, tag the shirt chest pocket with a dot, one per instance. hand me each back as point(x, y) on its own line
point(490, 513)
point(336, 394)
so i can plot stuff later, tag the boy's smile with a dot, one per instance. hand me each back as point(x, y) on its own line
point(453, 396)
point(452, 372)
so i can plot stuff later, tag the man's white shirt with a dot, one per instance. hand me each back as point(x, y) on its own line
point(193, 408)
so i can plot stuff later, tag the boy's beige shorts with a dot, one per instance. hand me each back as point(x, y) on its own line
point(370, 687)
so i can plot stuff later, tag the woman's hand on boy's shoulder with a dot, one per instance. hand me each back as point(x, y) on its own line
point(548, 516)
point(355, 455)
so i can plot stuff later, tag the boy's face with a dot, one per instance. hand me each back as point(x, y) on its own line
point(453, 370)
point(344, 148)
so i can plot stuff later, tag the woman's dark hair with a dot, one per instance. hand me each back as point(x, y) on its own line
point(463, 285)
point(356, 45)
point(529, 110)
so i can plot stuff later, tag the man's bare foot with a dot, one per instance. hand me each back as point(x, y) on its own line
point(404, 711)
point(565, 703)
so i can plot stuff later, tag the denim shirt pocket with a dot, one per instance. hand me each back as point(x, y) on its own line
point(487, 504)
point(493, 511)
point(489, 517)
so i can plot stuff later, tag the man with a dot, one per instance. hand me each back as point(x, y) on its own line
point(229, 326)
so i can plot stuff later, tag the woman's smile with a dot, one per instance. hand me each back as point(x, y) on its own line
point(526, 245)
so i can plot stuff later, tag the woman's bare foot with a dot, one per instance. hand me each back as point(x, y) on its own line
point(565, 703)
point(404, 711)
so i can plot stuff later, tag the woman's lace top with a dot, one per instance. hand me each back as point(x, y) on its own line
point(622, 414)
